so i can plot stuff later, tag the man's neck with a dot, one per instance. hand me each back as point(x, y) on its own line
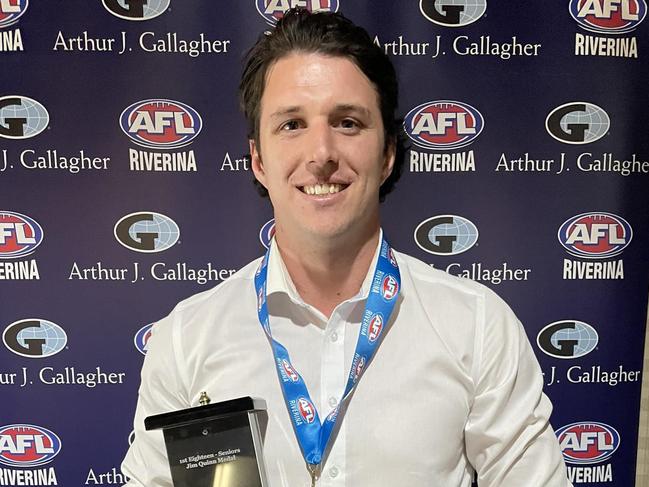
point(327, 273)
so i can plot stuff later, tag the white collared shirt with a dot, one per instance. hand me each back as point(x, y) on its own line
point(453, 386)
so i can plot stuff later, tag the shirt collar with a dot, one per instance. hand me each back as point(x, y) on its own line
point(279, 280)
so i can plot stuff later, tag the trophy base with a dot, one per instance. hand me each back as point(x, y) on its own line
point(219, 445)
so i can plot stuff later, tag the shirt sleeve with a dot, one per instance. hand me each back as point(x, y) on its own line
point(508, 437)
point(160, 391)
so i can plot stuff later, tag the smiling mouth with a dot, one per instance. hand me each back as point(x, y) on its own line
point(323, 189)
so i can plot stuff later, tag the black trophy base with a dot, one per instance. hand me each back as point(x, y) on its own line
point(214, 446)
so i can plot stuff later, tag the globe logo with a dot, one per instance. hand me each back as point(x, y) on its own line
point(22, 117)
point(453, 13)
point(147, 232)
point(136, 9)
point(273, 10)
point(446, 235)
point(34, 338)
point(10, 12)
point(567, 339)
point(578, 123)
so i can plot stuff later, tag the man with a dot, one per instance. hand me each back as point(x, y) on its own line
point(417, 377)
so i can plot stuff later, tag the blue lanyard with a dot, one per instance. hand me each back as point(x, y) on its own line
point(312, 434)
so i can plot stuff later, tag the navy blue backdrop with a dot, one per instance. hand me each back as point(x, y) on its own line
point(124, 188)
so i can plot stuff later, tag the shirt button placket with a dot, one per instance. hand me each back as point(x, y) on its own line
point(333, 385)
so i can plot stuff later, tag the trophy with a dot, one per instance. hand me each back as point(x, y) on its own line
point(215, 445)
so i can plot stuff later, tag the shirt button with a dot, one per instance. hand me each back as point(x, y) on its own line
point(333, 401)
point(333, 472)
point(334, 336)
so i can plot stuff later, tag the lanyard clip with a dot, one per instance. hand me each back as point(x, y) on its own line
point(314, 471)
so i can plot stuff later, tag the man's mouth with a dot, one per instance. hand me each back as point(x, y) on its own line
point(323, 189)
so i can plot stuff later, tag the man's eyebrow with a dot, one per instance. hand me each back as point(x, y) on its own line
point(283, 111)
point(350, 107)
point(339, 108)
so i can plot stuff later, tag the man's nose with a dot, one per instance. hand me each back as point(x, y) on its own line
point(321, 150)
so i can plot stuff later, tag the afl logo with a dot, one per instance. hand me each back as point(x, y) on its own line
point(267, 233)
point(453, 13)
point(289, 370)
point(34, 338)
point(392, 258)
point(136, 9)
point(578, 123)
point(273, 10)
point(11, 11)
point(161, 124)
point(307, 411)
point(446, 235)
point(567, 339)
point(141, 338)
point(27, 445)
point(260, 299)
point(360, 365)
point(22, 117)
point(588, 442)
point(374, 328)
point(443, 125)
point(595, 235)
point(608, 16)
point(146, 232)
point(19, 235)
point(389, 287)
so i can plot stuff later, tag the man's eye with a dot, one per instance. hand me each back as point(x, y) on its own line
point(349, 123)
point(290, 125)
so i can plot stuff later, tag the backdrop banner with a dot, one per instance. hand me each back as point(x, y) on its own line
point(125, 187)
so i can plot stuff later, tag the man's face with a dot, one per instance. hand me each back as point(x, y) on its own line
point(322, 154)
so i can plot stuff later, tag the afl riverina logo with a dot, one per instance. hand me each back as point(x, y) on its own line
point(26, 445)
point(374, 328)
point(358, 369)
point(307, 411)
point(136, 9)
point(273, 10)
point(596, 235)
point(161, 124)
point(11, 11)
point(141, 339)
point(608, 16)
point(588, 442)
point(453, 13)
point(19, 235)
point(22, 117)
point(443, 125)
point(389, 288)
point(289, 370)
point(578, 123)
point(267, 232)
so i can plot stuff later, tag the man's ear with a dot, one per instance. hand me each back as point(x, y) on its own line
point(388, 160)
point(256, 162)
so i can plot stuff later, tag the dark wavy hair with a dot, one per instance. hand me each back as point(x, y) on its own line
point(330, 34)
